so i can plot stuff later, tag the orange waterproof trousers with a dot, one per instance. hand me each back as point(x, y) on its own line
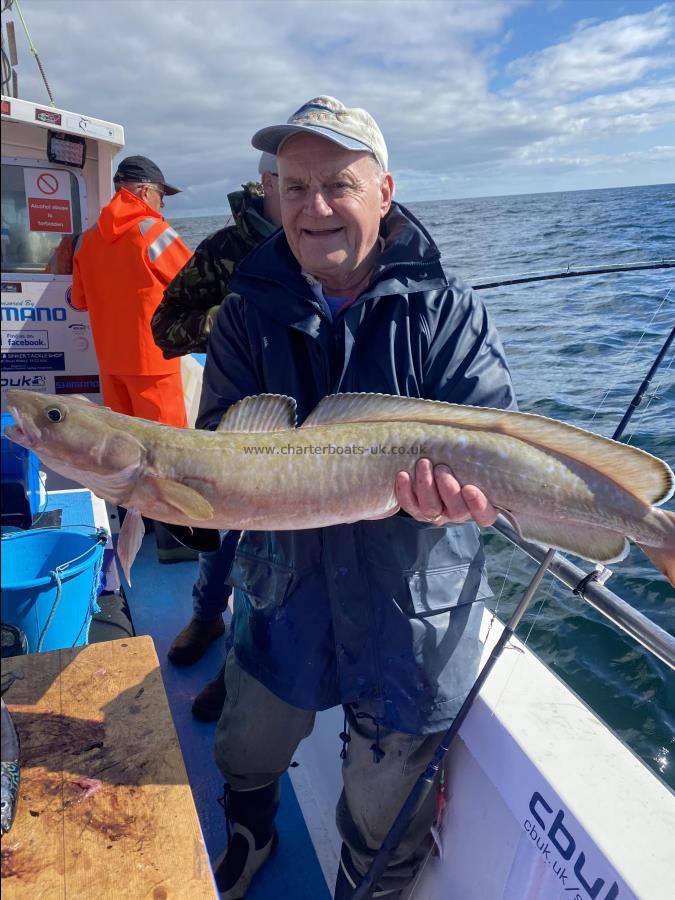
point(155, 397)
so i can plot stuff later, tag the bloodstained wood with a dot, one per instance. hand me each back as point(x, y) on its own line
point(100, 713)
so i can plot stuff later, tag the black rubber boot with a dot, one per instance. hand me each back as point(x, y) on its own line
point(251, 838)
point(348, 879)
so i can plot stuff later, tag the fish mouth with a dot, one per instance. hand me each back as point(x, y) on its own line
point(24, 432)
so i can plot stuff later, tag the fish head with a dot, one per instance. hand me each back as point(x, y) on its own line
point(50, 425)
point(76, 438)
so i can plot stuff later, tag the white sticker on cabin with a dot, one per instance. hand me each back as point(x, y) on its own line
point(91, 129)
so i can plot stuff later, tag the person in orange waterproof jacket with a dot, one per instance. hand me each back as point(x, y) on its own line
point(120, 271)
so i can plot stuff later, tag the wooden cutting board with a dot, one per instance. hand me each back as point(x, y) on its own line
point(100, 712)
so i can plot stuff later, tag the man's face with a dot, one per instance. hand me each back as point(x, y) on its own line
point(332, 201)
point(153, 195)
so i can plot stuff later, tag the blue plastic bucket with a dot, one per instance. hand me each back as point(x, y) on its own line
point(50, 581)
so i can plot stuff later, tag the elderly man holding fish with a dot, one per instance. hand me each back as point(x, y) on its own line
point(379, 616)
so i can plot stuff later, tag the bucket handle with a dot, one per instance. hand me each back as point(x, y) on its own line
point(101, 538)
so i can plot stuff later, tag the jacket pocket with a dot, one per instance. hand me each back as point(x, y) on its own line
point(435, 591)
point(265, 583)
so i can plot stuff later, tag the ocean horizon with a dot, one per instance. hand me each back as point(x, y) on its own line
point(211, 212)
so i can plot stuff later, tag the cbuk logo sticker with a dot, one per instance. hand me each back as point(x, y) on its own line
point(35, 382)
point(34, 314)
point(552, 837)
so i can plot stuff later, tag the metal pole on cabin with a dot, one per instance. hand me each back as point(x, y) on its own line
point(425, 781)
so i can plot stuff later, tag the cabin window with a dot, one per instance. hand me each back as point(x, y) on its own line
point(41, 219)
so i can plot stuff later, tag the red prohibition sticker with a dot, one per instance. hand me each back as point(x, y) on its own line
point(47, 183)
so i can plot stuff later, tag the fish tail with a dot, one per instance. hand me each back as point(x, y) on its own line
point(664, 557)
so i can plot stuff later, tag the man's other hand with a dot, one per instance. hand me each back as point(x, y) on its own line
point(434, 495)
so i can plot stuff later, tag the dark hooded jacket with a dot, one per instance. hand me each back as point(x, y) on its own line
point(183, 320)
point(381, 611)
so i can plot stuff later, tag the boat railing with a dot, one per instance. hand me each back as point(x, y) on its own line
point(587, 586)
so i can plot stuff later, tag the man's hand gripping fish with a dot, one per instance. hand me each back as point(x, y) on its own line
point(558, 485)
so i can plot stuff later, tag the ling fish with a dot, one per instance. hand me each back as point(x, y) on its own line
point(558, 485)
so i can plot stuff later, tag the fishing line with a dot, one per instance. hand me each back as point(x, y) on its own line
point(632, 353)
point(423, 866)
point(546, 596)
point(499, 597)
point(517, 658)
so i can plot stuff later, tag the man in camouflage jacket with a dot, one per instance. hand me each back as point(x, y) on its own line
point(182, 324)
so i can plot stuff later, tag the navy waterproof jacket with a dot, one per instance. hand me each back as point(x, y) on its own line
point(381, 611)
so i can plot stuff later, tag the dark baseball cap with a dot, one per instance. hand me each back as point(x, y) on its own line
point(142, 170)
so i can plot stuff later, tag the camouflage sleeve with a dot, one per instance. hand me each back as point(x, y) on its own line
point(182, 322)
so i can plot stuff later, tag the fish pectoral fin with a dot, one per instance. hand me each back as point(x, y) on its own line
point(129, 541)
point(180, 497)
point(592, 542)
point(264, 412)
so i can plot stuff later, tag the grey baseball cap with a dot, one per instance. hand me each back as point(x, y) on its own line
point(354, 129)
point(268, 163)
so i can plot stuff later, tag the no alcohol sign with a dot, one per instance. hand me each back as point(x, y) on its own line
point(48, 200)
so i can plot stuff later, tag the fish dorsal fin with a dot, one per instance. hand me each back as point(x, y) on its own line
point(337, 409)
point(639, 473)
point(264, 412)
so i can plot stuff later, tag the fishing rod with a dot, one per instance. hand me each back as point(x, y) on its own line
point(575, 273)
point(424, 783)
point(639, 395)
point(427, 778)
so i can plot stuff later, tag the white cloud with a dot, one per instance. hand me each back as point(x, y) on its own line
point(192, 81)
point(598, 56)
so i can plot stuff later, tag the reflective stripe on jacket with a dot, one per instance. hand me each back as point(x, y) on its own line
point(120, 273)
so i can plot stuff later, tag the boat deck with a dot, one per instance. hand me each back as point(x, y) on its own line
point(160, 603)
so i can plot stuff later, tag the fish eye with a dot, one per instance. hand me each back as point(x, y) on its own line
point(55, 414)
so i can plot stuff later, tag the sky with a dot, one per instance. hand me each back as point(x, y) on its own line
point(474, 97)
